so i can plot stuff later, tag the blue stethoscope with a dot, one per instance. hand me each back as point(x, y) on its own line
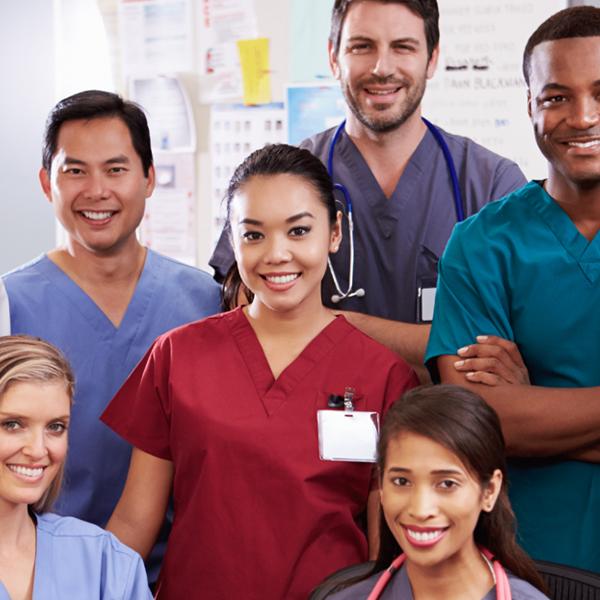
point(458, 205)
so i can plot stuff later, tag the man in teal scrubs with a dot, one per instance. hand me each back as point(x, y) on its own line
point(517, 315)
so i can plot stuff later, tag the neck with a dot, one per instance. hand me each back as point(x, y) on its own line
point(18, 529)
point(94, 268)
point(580, 201)
point(302, 321)
point(464, 576)
point(387, 153)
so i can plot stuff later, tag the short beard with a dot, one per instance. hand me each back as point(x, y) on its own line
point(385, 125)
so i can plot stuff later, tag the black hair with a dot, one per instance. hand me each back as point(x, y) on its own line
point(97, 104)
point(573, 22)
point(275, 159)
point(463, 423)
point(426, 9)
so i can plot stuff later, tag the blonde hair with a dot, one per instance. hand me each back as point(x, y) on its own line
point(27, 359)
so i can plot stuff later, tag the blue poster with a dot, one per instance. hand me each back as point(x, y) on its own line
point(313, 108)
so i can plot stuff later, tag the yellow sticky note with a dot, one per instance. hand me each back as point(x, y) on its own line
point(256, 73)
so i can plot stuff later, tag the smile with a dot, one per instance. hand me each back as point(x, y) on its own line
point(97, 215)
point(423, 538)
point(590, 144)
point(388, 92)
point(29, 472)
point(282, 279)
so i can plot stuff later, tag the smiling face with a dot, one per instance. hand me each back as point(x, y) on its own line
point(33, 439)
point(431, 502)
point(564, 105)
point(282, 238)
point(97, 184)
point(382, 64)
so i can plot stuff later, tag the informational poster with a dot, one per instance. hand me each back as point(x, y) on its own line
point(309, 22)
point(312, 108)
point(479, 90)
point(167, 107)
point(222, 24)
point(236, 131)
point(169, 224)
point(156, 36)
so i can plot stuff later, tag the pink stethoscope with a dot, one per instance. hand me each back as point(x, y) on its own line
point(500, 577)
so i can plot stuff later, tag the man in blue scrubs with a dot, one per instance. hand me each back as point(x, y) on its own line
point(383, 53)
point(102, 298)
point(517, 314)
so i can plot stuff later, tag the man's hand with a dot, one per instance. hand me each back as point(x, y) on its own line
point(492, 361)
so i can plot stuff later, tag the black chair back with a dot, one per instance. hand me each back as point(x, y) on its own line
point(569, 583)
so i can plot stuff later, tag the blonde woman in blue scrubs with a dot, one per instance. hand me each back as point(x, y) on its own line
point(44, 556)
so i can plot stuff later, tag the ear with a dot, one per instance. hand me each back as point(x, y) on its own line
point(44, 178)
point(336, 233)
point(333, 61)
point(492, 491)
point(529, 101)
point(433, 61)
point(151, 181)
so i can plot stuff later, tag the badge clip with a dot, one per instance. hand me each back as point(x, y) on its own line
point(349, 400)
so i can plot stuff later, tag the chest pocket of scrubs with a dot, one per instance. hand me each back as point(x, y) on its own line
point(427, 265)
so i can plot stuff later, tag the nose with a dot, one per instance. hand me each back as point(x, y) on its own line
point(384, 65)
point(35, 446)
point(96, 187)
point(584, 113)
point(422, 503)
point(278, 250)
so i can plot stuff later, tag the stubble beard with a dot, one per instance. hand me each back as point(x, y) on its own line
point(385, 123)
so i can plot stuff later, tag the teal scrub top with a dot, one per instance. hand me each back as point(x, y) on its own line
point(521, 270)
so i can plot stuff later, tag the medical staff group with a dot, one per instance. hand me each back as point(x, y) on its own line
point(254, 422)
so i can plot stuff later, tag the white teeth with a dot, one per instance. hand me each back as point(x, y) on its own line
point(584, 144)
point(97, 216)
point(381, 92)
point(28, 472)
point(424, 536)
point(282, 278)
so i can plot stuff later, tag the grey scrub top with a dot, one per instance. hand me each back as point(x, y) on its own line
point(398, 241)
point(399, 588)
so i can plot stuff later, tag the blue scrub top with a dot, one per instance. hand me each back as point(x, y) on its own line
point(521, 270)
point(77, 560)
point(43, 301)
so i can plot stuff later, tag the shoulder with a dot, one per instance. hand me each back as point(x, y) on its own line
point(358, 591)
point(75, 531)
point(318, 144)
point(466, 149)
point(211, 329)
point(522, 590)
point(25, 270)
point(173, 269)
point(497, 217)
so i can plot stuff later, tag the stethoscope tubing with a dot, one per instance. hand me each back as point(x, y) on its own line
point(456, 194)
point(502, 584)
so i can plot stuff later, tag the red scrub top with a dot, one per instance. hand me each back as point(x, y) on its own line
point(257, 514)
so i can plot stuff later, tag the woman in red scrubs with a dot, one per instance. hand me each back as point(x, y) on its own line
point(223, 412)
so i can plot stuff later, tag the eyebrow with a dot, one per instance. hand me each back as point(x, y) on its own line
point(292, 219)
point(434, 472)
point(10, 415)
point(366, 38)
point(119, 159)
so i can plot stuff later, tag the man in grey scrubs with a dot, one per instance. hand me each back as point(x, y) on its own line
point(395, 171)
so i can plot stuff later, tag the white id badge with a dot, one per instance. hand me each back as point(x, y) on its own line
point(426, 304)
point(348, 436)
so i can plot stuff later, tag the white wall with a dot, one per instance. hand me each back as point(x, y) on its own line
point(27, 68)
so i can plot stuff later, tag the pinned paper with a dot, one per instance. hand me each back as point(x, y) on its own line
point(256, 73)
